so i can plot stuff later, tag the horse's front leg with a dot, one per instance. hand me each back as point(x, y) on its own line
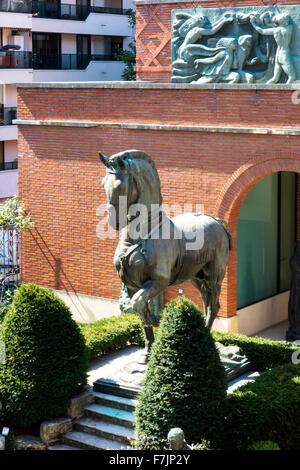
point(139, 303)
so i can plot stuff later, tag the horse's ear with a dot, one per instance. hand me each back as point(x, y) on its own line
point(104, 160)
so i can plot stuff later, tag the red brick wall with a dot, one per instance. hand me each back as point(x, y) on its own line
point(153, 33)
point(60, 173)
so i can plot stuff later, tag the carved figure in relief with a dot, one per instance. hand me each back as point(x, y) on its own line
point(282, 33)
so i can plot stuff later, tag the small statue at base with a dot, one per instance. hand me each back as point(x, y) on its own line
point(293, 332)
point(177, 440)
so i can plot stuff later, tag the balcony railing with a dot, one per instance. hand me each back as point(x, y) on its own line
point(8, 166)
point(67, 61)
point(15, 60)
point(7, 115)
point(21, 60)
point(65, 11)
point(16, 6)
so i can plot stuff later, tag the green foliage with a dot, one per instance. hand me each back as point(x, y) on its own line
point(267, 409)
point(152, 443)
point(46, 358)
point(185, 384)
point(112, 334)
point(13, 213)
point(262, 353)
point(264, 445)
point(128, 56)
point(5, 303)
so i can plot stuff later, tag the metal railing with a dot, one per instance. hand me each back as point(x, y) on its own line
point(16, 6)
point(15, 60)
point(66, 11)
point(67, 61)
point(7, 115)
point(8, 166)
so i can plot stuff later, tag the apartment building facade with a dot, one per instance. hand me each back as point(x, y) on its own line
point(46, 41)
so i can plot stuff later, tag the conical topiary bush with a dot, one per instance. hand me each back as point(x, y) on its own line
point(185, 383)
point(46, 357)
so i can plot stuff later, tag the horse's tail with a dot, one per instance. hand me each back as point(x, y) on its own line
point(225, 227)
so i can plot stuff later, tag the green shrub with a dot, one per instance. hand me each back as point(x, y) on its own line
point(46, 358)
point(185, 384)
point(264, 445)
point(267, 409)
point(262, 353)
point(112, 334)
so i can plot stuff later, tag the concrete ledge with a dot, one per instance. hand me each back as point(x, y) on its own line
point(50, 431)
point(164, 127)
point(145, 85)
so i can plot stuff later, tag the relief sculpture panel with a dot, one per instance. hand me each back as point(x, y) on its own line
point(236, 45)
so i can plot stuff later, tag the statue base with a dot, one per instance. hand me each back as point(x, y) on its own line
point(127, 382)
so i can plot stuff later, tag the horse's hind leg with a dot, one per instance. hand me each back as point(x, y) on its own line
point(210, 293)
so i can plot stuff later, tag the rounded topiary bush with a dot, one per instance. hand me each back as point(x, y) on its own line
point(185, 384)
point(46, 357)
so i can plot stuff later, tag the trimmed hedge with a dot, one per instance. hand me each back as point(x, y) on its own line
point(185, 384)
point(265, 410)
point(262, 353)
point(112, 334)
point(46, 358)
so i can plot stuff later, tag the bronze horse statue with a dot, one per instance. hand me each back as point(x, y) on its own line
point(153, 256)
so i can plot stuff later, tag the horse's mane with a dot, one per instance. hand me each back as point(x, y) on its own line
point(131, 159)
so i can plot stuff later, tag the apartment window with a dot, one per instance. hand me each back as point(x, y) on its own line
point(46, 49)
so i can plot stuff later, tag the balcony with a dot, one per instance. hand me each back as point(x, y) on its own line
point(7, 115)
point(15, 60)
point(66, 11)
point(16, 6)
point(8, 166)
point(67, 61)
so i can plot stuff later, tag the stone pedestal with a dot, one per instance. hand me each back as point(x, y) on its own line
point(127, 381)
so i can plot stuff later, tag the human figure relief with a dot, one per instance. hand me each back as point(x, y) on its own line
point(282, 32)
point(194, 29)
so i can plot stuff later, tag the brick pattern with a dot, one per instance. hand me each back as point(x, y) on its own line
point(153, 33)
point(60, 173)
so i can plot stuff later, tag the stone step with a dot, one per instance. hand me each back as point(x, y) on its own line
point(112, 415)
point(62, 447)
point(113, 388)
point(114, 401)
point(105, 429)
point(84, 440)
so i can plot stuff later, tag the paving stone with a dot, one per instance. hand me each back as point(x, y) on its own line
point(28, 442)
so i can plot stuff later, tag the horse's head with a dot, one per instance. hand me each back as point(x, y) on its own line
point(131, 177)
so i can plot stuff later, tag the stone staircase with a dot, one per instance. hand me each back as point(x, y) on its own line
point(107, 424)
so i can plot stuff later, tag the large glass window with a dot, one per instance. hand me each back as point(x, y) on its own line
point(266, 235)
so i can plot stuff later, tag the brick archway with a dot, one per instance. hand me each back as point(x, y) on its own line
point(229, 204)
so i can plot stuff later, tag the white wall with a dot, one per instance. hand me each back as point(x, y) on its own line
point(8, 133)
point(15, 20)
point(10, 96)
point(96, 71)
point(68, 44)
point(16, 75)
point(97, 45)
point(96, 23)
point(10, 150)
point(8, 183)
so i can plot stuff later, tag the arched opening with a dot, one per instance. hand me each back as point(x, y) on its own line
point(266, 232)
